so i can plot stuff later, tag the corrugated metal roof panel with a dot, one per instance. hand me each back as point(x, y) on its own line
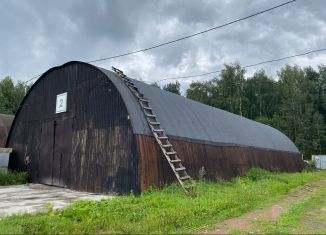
point(184, 118)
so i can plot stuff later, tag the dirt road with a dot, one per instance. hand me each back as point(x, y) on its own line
point(246, 223)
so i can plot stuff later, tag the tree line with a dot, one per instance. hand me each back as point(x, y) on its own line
point(11, 94)
point(294, 102)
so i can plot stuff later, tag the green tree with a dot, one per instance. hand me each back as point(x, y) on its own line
point(299, 120)
point(231, 88)
point(321, 91)
point(295, 104)
point(262, 96)
point(155, 84)
point(173, 87)
point(2, 103)
point(205, 92)
point(11, 95)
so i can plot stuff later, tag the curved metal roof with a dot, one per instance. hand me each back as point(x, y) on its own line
point(187, 119)
point(190, 120)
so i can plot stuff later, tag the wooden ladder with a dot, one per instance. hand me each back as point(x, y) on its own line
point(161, 138)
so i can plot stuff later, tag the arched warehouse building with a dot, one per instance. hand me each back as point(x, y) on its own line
point(101, 142)
point(5, 123)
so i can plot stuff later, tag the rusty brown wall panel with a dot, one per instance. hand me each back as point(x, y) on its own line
point(219, 162)
point(100, 144)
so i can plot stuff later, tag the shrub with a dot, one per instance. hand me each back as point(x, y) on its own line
point(256, 173)
point(13, 178)
point(310, 166)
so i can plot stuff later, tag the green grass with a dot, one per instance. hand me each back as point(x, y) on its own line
point(12, 178)
point(162, 211)
point(296, 220)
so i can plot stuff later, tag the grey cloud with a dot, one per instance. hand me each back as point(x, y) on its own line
point(37, 34)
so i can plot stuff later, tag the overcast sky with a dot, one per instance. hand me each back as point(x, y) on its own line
point(37, 35)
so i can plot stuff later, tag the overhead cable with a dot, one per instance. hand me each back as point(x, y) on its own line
point(246, 66)
point(192, 35)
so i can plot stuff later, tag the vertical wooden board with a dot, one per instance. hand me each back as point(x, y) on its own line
point(149, 168)
point(219, 161)
point(46, 153)
point(79, 139)
point(250, 156)
point(212, 162)
point(65, 154)
point(32, 148)
point(4, 130)
point(155, 170)
point(56, 159)
point(62, 153)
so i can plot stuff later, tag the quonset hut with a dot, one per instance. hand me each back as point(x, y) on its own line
point(5, 123)
point(81, 127)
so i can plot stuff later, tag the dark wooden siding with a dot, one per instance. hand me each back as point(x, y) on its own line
point(91, 147)
point(5, 123)
point(219, 162)
point(3, 135)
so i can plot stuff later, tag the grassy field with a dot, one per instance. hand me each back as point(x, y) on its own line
point(163, 211)
point(12, 178)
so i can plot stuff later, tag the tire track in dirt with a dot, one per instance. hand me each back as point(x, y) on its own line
point(246, 222)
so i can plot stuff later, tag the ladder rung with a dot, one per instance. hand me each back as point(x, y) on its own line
point(166, 145)
point(148, 108)
point(143, 100)
point(158, 133)
point(163, 137)
point(154, 123)
point(171, 153)
point(185, 177)
point(180, 169)
point(130, 83)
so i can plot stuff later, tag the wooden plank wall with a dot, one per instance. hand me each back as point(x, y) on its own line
point(5, 123)
point(3, 136)
point(219, 162)
point(91, 147)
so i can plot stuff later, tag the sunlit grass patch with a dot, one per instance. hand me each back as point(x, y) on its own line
point(162, 211)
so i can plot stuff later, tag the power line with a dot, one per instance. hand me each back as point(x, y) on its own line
point(182, 38)
point(31, 79)
point(246, 66)
point(192, 35)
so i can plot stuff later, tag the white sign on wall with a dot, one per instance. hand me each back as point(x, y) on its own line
point(61, 104)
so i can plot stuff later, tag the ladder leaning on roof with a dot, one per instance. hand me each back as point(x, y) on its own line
point(161, 138)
